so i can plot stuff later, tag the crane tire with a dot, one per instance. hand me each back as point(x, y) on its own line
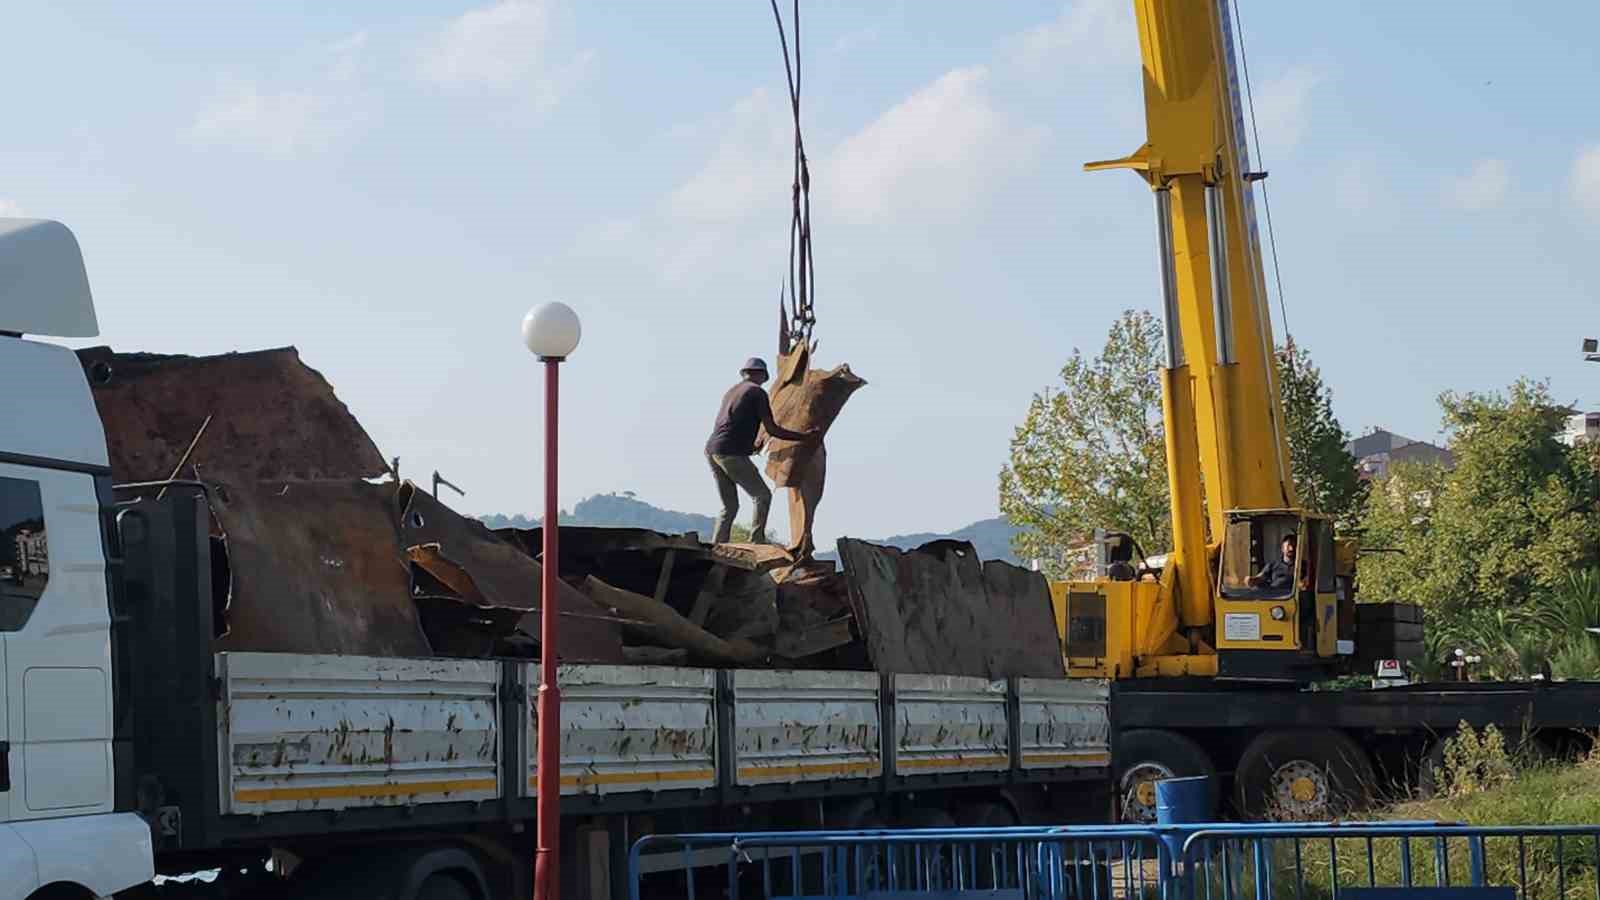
point(1303, 775)
point(1147, 755)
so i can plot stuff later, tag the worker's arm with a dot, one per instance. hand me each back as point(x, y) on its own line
point(778, 431)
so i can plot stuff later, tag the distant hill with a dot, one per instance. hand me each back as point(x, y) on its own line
point(991, 537)
point(622, 510)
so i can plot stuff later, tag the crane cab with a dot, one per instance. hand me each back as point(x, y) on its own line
point(1276, 585)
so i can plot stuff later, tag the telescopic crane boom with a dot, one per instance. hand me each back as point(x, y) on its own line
point(1233, 497)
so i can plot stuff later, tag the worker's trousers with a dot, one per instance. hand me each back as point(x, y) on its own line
point(733, 473)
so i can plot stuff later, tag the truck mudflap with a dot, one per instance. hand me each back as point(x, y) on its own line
point(333, 732)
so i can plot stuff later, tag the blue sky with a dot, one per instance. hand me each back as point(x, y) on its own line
point(390, 186)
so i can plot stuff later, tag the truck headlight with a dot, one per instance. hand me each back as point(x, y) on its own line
point(1279, 614)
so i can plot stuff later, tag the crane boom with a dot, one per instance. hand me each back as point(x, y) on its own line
point(1233, 496)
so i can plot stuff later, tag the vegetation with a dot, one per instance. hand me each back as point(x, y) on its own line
point(1481, 783)
point(1325, 473)
point(1091, 451)
point(1503, 551)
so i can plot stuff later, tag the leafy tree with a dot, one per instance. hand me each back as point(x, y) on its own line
point(1499, 533)
point(1091, 453)
point(1324, 471)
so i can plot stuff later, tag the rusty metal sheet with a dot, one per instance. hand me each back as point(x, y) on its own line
point(272, 417)
point(939, 610)
point(487, 572)
point(316, 567)
point(803, 399)
point(630, 558)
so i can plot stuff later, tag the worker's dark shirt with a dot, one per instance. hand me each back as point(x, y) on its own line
point(1277, 575)
point(743, 407)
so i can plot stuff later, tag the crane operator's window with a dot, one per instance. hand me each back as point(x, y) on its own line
point(24, 552)
point(1255, 563)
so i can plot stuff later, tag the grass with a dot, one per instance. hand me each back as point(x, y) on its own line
point(1483, 788)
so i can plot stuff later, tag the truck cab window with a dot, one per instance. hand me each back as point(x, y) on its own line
point(24, 551)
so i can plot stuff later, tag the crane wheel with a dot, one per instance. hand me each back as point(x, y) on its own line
point(1305, 775)
point(1148, 755)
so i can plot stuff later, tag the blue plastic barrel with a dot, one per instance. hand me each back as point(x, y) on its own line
point(1182, 801)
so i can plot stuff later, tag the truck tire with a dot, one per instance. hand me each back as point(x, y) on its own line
point(1303, 775)
point(1149, 755)
point(1430, 772)
point(986, 814)
point(442, 887)
point(989, 859)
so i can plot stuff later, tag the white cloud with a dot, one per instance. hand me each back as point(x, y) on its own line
point(1482, 188)
point(500, 47)
point(284, 122)
point(1586, 180)
point(1280, 104)
point(752, 161)
point(1356, 184)
point(1086, 31)
point(10, 210)
point(278, 124)
point(853, 40)
point(939, 151)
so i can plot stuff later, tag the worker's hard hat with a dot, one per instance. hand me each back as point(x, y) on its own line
point(755, 364)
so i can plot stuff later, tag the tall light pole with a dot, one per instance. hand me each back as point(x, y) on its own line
point(551, 332)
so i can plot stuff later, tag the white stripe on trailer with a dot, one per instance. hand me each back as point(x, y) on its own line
point(301, 732)
point(627, 729)
point(1065, 723)
point(797, 726)
point(950, 723)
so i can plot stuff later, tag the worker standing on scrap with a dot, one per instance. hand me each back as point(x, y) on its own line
point(745, 408)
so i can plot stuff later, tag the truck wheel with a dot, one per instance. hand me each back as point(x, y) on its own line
point(1307, 775)
point(986, 814)
point(1430, 772)
point(989, 859)
point(1150, 755)
point(442, 887)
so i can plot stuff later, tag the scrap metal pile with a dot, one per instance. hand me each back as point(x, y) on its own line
point(320, 547)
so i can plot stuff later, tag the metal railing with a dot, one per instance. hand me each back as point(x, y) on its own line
point(998, 863)
point(1364, 861)
point(1360, 861)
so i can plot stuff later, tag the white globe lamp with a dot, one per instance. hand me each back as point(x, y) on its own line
point(551, 330)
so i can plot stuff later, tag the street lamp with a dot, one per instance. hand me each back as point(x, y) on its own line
point(1591, 349)
point(551, 332)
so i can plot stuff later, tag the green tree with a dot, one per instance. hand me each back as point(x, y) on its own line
point(1091, 452)
point(1501, 531)
point(1324, 471)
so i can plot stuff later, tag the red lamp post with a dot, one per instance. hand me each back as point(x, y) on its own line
point(551, 332)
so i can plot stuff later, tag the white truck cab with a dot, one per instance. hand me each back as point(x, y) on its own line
point(59, 823)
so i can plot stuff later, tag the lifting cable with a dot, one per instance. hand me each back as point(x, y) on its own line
point(797, 320)
point(1272, 239)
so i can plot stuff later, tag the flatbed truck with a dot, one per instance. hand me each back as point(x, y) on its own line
point(133, 756)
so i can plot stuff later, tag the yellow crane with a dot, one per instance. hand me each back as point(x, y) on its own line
point(1221, 604)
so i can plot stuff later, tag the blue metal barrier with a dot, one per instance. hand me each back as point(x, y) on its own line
point(1375, 861)
point(1318, 861)
point(926, 864)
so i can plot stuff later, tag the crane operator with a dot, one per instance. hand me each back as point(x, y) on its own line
point(1276, 576)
